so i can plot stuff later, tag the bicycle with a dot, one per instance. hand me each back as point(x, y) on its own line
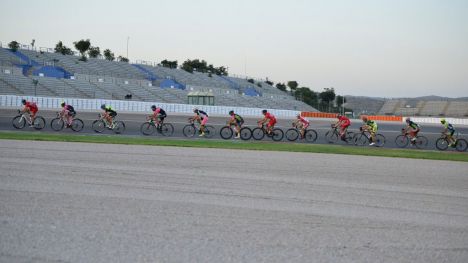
point(364, 137)
point(150, 126)
point(259, 132)
point(58, 123)
point(403, 140)
point(333, 134)
point(20, 120)
point(292, 134)
point(190, 130)
point(228, 131)
point(460, 144)
point(101, 124)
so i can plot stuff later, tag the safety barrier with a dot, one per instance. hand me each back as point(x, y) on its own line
point(136, 106)
point(319, 115)
point(454, 121)
point(384, 118)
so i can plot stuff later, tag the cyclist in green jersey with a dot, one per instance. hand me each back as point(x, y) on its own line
point(109, 114)
point(449, 130)
point(371, 127)
point(237, 121)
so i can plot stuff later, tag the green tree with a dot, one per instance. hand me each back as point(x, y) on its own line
point(82, 46)
point(293, 85)
point(13, 45)
point(269, 82)
point(307, 96)
point(327, 96)
point(109, 55)
point(169, 64)
point(62, 49)
point(123, 59)
point(251, 81)
point(94, 52)
point(202, 66)
point(281, 86)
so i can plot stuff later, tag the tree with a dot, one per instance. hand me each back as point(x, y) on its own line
point(251, 81)
point(169, 64)
point(82, 46)
point(293, 85)
point(62, 49)
point(269, 82)
point(281, 86)
point(123, 59)
point(13, 45)
point(202, 66)
point(94, 52)
point(327, 96)
point(306, 95)
point(109, 55)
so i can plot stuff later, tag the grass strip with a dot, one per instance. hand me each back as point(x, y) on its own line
point(240, 145)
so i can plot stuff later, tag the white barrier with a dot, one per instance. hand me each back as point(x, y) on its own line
point(136, 106)
point(454, 121)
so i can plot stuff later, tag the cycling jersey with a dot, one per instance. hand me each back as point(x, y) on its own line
point(160, 111)
point(345, 122)
point(237, 118)
point(372, 125)
point(449, 126)
point(32, 106)
point(270, 116)
point(413, 125)
point(111, 112)
point(304, 121)
point(202, 114)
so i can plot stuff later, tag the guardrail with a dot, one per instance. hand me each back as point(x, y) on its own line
point(136, 106)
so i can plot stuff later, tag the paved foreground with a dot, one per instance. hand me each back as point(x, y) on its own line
point(76, 202)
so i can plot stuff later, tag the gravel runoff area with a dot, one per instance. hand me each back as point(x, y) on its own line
point(78, 202)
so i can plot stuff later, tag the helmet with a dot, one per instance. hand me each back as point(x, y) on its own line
point(153, 107)
point(298, 115)
point(442, 121)
point(62, 104)
point(338, 116)
point(264, 111)
point(195, 109)
point(103, 106)
point(231, 112)
point(408, 119)
point(364, 118)
point(23, 101)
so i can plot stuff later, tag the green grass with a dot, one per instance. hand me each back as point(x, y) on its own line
point(241, 145)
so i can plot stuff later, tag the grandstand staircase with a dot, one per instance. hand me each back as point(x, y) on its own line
point(103, 90)
point(420, 106)
point(13, 87)
point(134, 96)
point(444, 111)
point(82, 93)
point(154, 93)
point(47, 89)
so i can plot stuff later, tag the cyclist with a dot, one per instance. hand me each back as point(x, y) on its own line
point(343, 122)
point(68, 111)
point(371, 127)
point(413, 130)
point(301, 124)
point(158, 116)
point(31, 108)
point(449, 131)
point(109, 115)
point(202, 118)
point(270, 118)
point(237, 121)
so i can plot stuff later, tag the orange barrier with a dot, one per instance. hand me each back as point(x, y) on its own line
point(333, 115)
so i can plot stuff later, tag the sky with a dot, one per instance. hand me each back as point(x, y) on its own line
point(377, 48)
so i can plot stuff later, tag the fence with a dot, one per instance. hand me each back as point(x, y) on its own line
point(136, 106)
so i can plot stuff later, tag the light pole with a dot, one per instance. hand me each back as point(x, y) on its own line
point(128, 38)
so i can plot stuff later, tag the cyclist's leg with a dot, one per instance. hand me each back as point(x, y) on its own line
point(33, 116)
point(203, 123)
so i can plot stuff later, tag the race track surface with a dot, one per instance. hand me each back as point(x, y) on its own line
point(81, 202)
point(133, 122)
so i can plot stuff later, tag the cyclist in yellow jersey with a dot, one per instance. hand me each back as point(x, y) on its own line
point(371, 127)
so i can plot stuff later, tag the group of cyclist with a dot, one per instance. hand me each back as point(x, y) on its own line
point(159, 114)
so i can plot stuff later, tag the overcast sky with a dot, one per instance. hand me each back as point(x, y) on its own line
point(394, 48)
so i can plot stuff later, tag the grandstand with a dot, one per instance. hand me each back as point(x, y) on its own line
point(423, 107)
point(58, 75)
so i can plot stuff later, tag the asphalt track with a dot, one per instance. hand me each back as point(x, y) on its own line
point(133, 122)
point(82, 202)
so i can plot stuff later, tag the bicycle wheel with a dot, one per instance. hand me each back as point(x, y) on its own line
point(258, 133)
point(18, 122)
point(292, 134)
point(421, 142)
point(379, 140)
point(98, 126)
point(401, 141)
point(147, 128)
point(278, 134)
point(39, 123)
point(226, 132)
point(209, 131)
point(167, 129)
point(461, 145)
point(77, 125)
point(349, 137)
point(57, 124)
point(360, 139)
point(310, 135)
point(331, 136)
point(189, 130)
point(442, 144)
point(246, 133)
point(119, 127)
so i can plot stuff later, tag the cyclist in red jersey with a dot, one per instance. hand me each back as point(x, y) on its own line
point(270, 118)
point(31, 108)
point(67, 111)
point(343, 122)
point(301, 124)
